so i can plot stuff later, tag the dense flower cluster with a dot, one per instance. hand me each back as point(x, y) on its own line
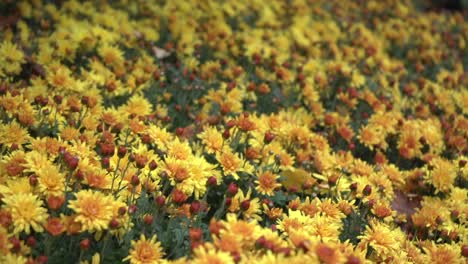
point(234, 132)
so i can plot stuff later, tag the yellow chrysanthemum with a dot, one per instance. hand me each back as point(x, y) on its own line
point(211, 256)
point(51, 181)
point(212, 139)
point(94, 210)
point(26, 212)
point(381, 238)
point(13, 133)
point(267, 183)
point(11, 58)
point(442, 175)
point(232, 163)
point(145, 251)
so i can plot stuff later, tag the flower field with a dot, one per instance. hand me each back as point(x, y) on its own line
point(233, 132)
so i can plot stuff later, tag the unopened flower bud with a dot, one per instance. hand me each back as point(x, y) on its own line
point(33, 181)
point(85, 243)
point(148, 219)
point(195, 207)
point(212, 181)
point(153, 165)
point(160, 200)
point(245, 205)
point(114, 223)
point(268, 137)
point(232, 189)
point(367, 190)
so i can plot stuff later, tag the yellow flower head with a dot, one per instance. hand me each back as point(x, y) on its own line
point(267, 183)
point(212, 139)
point(442, 174)
point(211, 256)
point(381, 238)
point(145, 251)
point(26, 211)
point(11, 58)
point(94, 210)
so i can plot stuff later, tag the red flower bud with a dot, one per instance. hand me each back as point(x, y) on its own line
point(226, 134)
point(245, 205)
point(268, 137)
point(353, 260)
point(42, 259)
point(121, 151)
point(58, 99)
point(132, 209)
point(55, 202)
point(212, 181)
point(70, 160)
point(148, 219)
point(160, 200)
point(195, 207)
point(179, 131)
point(228, 202)
point(367, 190)
point(231, 123)
point(178, 196)
point(122, 210)
point(464, 251)
point(260, 241)
point(16, 245)
point(462, 163)
point(152, 165)
point(85, 243)
point(135, 180)
point(33, 181)
point(232, 189)
point(105, 162)
point(31, 241)
point(195, 234)
point(114, 223)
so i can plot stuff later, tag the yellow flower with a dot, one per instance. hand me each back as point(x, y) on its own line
point(211, 256)
point(442, 175)
point(381, 238)
point(15, 186)
point(94, 210)
point(26, 211)
point(212, 139)
point(232, 163)
point(4, 243)
point(11, 58)
point(267, 183)
point(179, 150)
point(160, 136)
point(443, 254)
point(294, 221)
point(60, 78)
point(13, 133)
point(145, 251)
point(137, 105)
point(371, 136)
point(325, 228)
point(111, 55)
point(13, 258)
point(51, 181)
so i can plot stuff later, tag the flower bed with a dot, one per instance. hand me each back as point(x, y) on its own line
point(237, 132)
